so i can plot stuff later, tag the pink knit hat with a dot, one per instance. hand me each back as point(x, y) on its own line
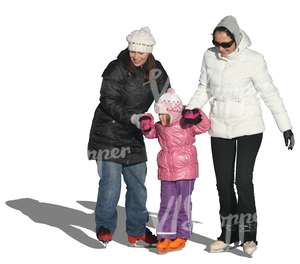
point(169, 103)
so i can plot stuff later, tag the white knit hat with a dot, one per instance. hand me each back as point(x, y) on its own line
point(141, 40)
point(169, 103)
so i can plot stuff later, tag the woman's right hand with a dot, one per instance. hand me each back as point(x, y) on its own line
point(135, 120)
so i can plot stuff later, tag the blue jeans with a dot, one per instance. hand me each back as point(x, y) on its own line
point(109, 194)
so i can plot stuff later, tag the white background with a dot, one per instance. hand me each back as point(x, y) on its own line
point(52, 56)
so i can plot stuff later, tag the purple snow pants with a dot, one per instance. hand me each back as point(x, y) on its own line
point(175, 213)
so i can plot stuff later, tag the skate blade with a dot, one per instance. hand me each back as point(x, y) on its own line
point(142, 244)
point(176, 249)
point(220, 250)
point(235, 245)
point(104, 243)
point(226, 249)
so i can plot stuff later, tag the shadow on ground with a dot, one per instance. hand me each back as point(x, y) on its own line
point(68, 220)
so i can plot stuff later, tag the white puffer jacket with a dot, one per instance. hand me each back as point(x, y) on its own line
point(232, 86)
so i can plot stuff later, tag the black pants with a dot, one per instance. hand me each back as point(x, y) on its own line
point(235, 159)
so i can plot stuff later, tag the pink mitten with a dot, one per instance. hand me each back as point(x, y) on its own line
point(192, 116)
point(147, 122)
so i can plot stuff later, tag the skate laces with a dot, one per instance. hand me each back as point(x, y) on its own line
point(250, 244)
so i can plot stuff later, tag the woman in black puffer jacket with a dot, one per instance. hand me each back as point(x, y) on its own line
point(116, 142)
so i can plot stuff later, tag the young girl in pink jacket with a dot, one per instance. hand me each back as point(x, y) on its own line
point(177, 168)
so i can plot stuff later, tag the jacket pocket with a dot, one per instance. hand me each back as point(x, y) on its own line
point(162, 159)
point(228, 108)
point(253, 108)
point(184, 158)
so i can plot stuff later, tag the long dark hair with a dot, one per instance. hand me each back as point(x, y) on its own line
point(149, 65)
point(223, 29)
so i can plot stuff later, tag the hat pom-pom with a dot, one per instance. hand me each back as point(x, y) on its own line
point(146, 29)
point(171, 91)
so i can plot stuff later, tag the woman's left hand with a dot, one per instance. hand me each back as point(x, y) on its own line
point(289, 139)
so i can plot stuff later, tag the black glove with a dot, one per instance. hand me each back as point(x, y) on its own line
point(191, 116)
point(289, 139)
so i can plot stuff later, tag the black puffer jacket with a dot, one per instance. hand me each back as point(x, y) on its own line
point(112, 136)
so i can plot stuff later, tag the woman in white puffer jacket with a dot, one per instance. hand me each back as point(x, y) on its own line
point(232, 77)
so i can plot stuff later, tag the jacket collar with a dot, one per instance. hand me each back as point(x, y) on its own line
point(124, 58)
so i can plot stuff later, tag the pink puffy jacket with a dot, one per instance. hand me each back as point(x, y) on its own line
point(177, 160)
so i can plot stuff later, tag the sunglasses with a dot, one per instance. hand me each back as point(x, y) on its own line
point(224, 45)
